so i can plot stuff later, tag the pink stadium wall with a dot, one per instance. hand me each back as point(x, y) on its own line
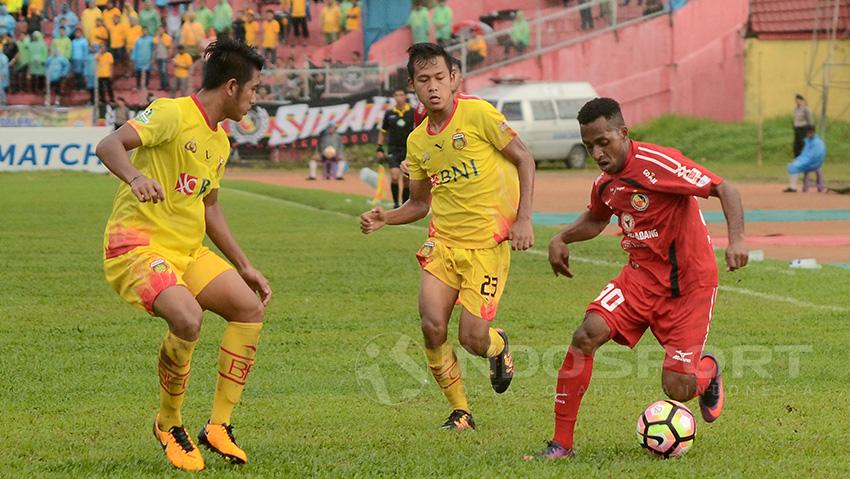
point(688, 63)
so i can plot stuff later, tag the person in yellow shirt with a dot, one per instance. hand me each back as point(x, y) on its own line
point(105, 61)
point(100, 34)
point(118, 41)
point(191, 34)
point(128, 14)
point(111, 12)
point(352, 20)
point(298, 17)
point(182, 63)
point(477, 51)
point(271, 30)
point(102, 4)
point(330, 20)
point(154, 256)
point(36, 7)
point(252, 29)
point(133, 33)
point(88, 19)
point(469, 168)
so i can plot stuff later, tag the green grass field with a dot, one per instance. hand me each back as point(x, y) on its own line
point(341, 389)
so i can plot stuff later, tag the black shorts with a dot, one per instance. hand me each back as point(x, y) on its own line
point(395, 156)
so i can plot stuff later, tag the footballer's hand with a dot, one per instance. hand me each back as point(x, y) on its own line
point(522, 235)
point(257, 282)
point(404, 170)
point(372, 220)
point(147, 189)
point(737, 255)
point(559, 257)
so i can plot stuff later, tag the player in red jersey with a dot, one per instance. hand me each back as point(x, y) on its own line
point(670, 281)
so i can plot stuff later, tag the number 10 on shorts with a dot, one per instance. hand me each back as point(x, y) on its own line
point(610, 297)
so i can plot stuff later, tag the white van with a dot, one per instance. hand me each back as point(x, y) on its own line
point(544, 116)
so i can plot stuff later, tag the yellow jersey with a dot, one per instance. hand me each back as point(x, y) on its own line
point(182, 63)
point(118, 35)
point(271, 28)
point(186, 156)
point(104, 64)
point(474, 187)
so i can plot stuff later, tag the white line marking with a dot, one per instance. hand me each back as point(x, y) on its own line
point(578, 259)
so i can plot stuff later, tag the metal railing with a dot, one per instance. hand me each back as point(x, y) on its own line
point(289, 85)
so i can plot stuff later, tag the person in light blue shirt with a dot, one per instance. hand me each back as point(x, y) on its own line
point(810, 159)
point(71, 21)
point(142, 57)
point(56, 69)
point(90, 72)
point(79, 53)
point(4, 77)
point(7, 22)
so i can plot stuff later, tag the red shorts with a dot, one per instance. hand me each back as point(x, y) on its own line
point(679, 324)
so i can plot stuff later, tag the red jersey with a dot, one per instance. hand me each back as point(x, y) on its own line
point(664, 232)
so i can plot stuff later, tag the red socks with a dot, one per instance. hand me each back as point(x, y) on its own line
point(573, 380)
point(706, 370)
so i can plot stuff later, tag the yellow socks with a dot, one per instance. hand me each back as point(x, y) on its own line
point(497, 344)
point(235, 360)
point(175, 358)
point(443, 363)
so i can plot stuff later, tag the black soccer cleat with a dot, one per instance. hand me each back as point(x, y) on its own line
point(502, 367)
point(459, 420)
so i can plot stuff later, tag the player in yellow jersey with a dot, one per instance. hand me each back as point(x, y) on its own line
point(153, 252)
point(468, 166)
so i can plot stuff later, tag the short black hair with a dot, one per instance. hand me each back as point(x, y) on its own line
point(799, 97)
point(420, 53)
point(226, 59)
point(399, 89)
point(456, 64)
point(601, 107)
point(809, 129)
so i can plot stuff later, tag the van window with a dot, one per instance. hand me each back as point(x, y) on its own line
point(568, 109)
point(512, 111)
point(543, 110)
point(492, 102)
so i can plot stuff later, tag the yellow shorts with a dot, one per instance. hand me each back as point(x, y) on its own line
point(139, 275)
point(478, 274)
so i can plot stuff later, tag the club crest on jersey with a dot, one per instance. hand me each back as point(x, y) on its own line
point(640, 201)
point(426, 249)
point(188, 185)
point(458, 141)
point(191, 146)
point(628, 222)
point(159, 266)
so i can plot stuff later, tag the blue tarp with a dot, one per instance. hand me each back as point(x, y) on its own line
point(382, 17)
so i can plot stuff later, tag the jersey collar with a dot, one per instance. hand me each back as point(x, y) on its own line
point(446, 124)
point(203, 113)
point(403, 110)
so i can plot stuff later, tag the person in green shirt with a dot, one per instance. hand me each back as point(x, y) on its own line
point(344, 6)
point(149, 17)
point(37, 60)
point(204, 16)
point(442, 20)
point(419, 24)
point(63, 43)
point(519, 34)
point(22, 62)
point(222, 17)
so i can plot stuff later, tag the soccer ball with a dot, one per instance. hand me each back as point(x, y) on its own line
point(666, 429)
point(329, 152)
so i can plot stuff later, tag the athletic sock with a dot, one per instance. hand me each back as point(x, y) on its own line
point(235, 361)
point(175, 359)
point(394, 189)
point(405, 195)
point(706, 370)
point(573, 380)
point(497, 344)
point(443, 364)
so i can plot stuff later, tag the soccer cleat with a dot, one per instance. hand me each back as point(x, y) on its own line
point(219, 439)
point(554, 450)
point(789, 190)
point(179, 448)
point(459, 420)
point(712, 399)
point(502, 367)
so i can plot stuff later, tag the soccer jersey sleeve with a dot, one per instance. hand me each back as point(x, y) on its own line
point(494, 126)
point(669, 171)
point(386, 122)
point(597, 208)
point(414, 161)
point(159, 123)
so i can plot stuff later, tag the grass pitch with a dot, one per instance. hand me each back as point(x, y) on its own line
point(341, 388)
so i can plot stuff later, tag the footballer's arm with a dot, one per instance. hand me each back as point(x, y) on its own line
point(220, 234)
point(584, 228)
point(112, 151)
point(414, 209)
point(522, 233)
point(733, 210)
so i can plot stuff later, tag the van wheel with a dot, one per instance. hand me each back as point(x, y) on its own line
point(576, 158)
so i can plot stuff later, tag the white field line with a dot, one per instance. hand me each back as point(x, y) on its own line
point(578, 259)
